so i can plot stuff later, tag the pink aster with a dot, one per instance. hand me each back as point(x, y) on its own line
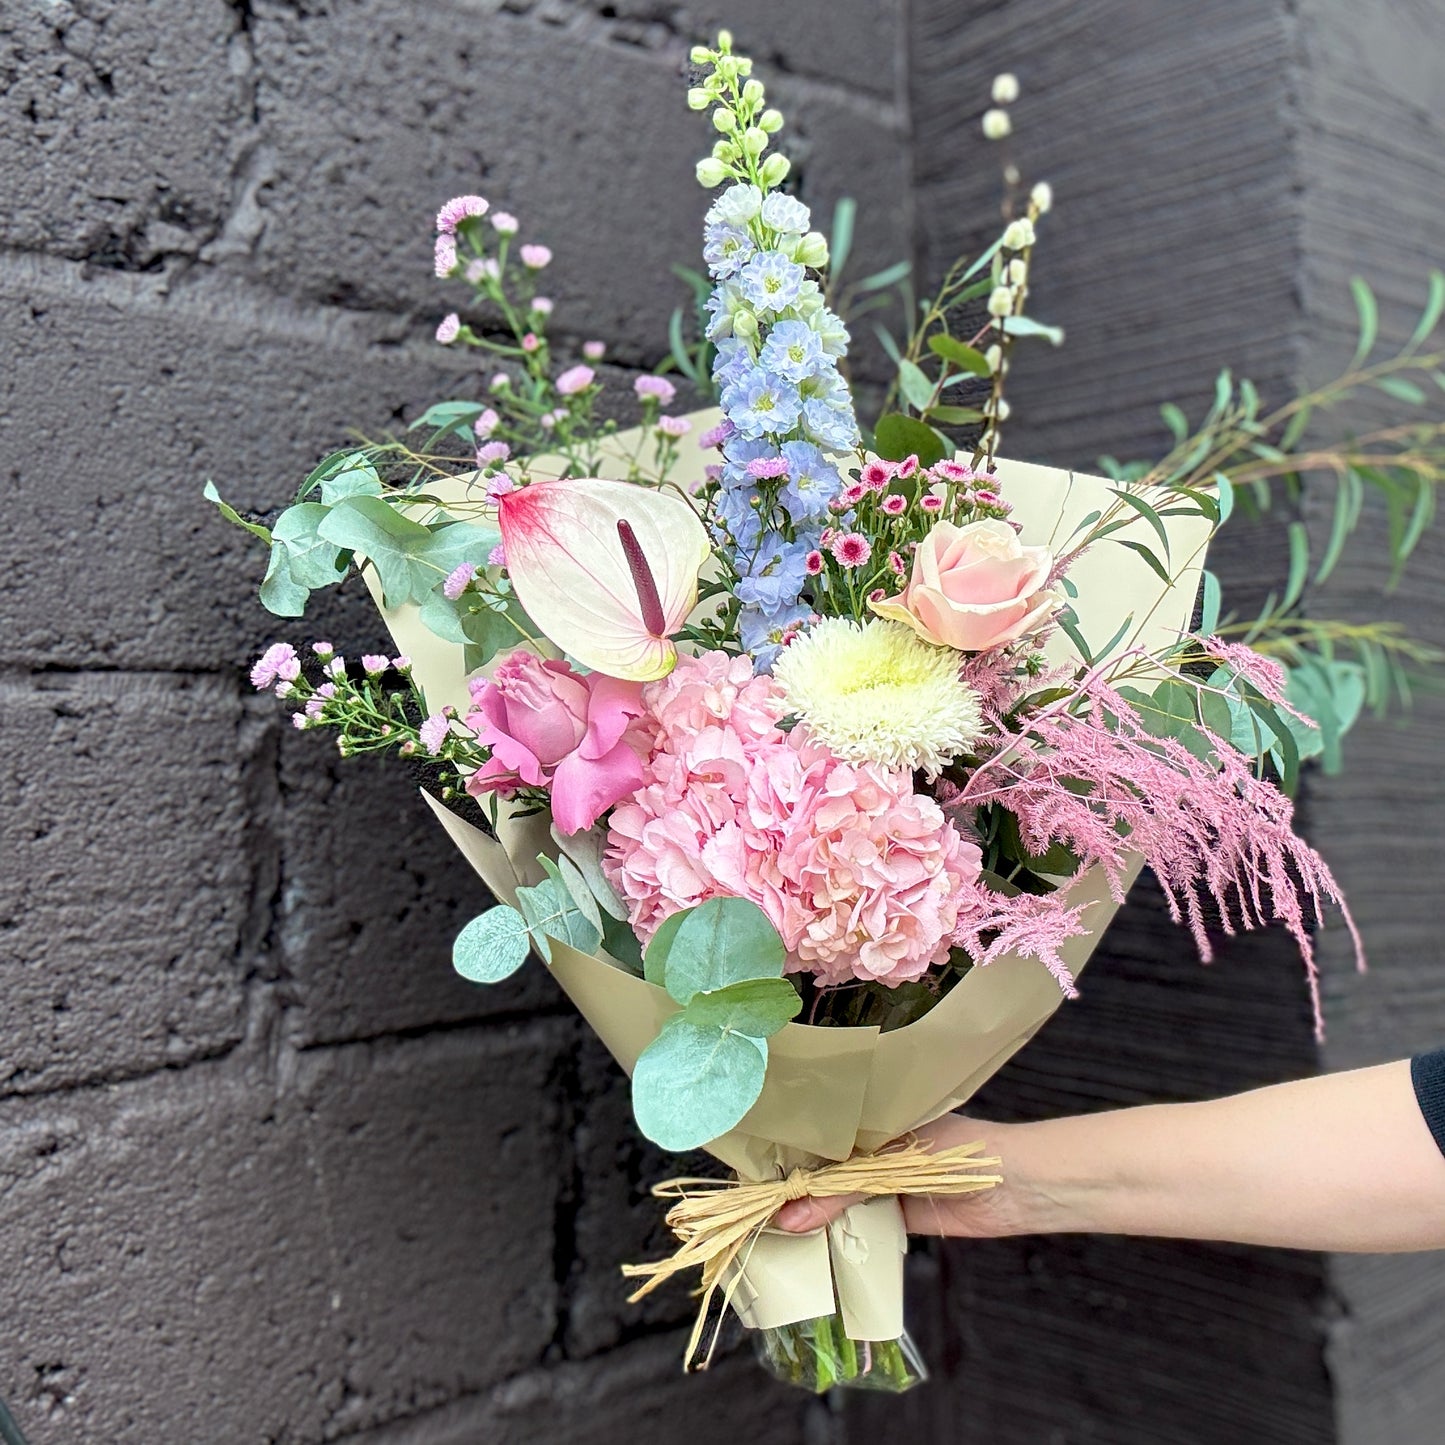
point(850, 496)
point(534, 258)
point(594, 350)
point(458, 580)
point(457, 210)
point(907, 467)
point(531, 341)
point(852, 549)
point(433, 732)
point(715, 436)
point(930, 503)
point(952, 472)
point(674, 426)
point(449, 328)
point(489, 454)
point(575, 379)
point(497, 557)
point(482, 268)
point(278, 663)
point(541, 305)
point(504, 223)
point(655, 386)
point(766, 468)
point(374, 663)
point(893, 505)
point(445, 256)
point(486, 424)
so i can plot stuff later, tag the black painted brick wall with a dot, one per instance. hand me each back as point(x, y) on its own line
point(268, 1172)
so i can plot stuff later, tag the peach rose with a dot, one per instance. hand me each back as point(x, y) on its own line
point(974, 587)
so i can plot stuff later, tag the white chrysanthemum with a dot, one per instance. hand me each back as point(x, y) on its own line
point(876, 692)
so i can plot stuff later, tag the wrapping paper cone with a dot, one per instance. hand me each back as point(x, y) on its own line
point(832, 1091)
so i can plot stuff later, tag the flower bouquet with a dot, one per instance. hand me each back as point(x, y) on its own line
point(813, 764)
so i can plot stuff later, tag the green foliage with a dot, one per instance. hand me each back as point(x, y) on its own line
point(723, 962)
point(493, 946)
point(233, 516)
point(550, 913)
point(897, 436)
point(693, 1083)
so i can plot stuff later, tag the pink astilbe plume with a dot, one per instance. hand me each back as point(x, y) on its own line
point(1087, 774)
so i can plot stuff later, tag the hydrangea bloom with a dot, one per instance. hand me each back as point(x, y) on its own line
point(858, 873)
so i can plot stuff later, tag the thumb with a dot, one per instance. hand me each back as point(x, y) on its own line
point(801, 1216)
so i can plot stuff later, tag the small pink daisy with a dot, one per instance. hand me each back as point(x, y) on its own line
point(876, 475)
point(930, 503)
point(813, 563)
point(715, 436)
point(907, 467)
point(531, 341)
point(851, 496)
point(897, 563)
point(852, 549)
point(893, 505)
point(594, 350)
point(877, 594)
point(952, 472)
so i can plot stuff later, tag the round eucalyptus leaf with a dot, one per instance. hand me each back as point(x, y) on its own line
point(692, 1084)
point(492, 946)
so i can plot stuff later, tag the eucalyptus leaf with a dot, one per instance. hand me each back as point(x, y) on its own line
point(722, 941)
point(393, 544)
point(314, 561)
point(654, 961)
point(550, 914)
point(757, 1007)
point(356, 477)
point(693, 1084)
point(1027, 326)
point(585, 849)
point(210, 493)
point(458, 542)
point(280, 592)
point(492, 946)
point(455, 416)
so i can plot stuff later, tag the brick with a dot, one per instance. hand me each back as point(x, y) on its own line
point(590, 144)
point(615, 1218)
point(374, 894)
point(211, 1257)
point(133, 393)
point(639, 1395)
point(128, 897)
point(118, 124)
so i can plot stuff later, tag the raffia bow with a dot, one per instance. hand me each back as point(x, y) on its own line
point(717, 1220)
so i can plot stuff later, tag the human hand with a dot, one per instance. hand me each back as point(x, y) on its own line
point(1006, 1209)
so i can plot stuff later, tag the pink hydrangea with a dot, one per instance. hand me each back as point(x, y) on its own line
point(859, 874)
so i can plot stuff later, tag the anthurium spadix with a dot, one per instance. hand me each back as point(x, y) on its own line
point(607, 570)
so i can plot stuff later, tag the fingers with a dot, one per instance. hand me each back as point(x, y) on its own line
point(801, 1216)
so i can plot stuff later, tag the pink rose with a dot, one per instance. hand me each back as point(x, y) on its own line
point(974, 587)
point(551, 727)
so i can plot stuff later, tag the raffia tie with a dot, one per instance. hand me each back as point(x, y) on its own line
point(717, 1220)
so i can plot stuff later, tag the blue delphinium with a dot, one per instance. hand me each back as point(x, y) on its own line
point(776, 370)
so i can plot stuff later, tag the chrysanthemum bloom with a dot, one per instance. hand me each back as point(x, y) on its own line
point(852, 549)
point(930, 503)
point(278, 662)
point(876, 475)
point(457, 210)
point(813, 563)
point(655, 386)
point(894, 505)
point(876, 692)
point(575, 379)
point(857, 872)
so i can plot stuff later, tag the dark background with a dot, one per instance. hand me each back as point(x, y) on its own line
point(268, 1171)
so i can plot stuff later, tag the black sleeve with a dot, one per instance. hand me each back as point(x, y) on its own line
point(1427, 1073)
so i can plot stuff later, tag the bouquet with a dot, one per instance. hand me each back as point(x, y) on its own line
point(812, 760)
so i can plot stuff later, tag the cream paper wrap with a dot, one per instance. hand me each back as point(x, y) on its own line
point(832, 1091)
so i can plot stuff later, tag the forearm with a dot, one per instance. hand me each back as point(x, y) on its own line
point(1341, 1162)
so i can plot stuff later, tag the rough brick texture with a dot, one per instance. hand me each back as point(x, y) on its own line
point(268, 1171)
